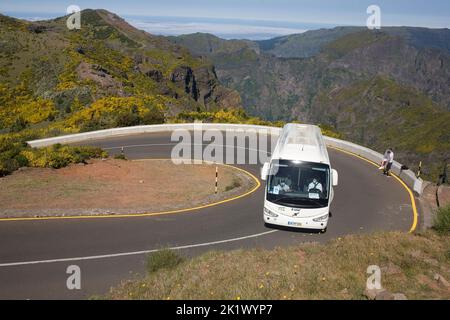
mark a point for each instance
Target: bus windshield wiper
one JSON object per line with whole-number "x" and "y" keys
{"x": 314, "y": 201}
{"x": 311, "y": 201}
{"x": 281, "y": 199}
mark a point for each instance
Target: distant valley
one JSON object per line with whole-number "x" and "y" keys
{"x": 378, "y": 88}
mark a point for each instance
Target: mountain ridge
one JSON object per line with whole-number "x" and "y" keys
{"x": 402, "y": 66}
{"x": 108, "y": 48}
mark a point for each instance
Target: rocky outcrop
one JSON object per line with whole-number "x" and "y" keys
{"x": 155, "y": 75}
{"x": 203, "y": 86}
{"x": 99, "y": 75}
{"x": 184, "y": 78}
{"x": 226, "y": 98}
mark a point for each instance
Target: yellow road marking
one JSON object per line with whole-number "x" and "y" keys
{"x": 152, "y": 214}
{"x": 411, "y": 195}
{"x": 258, "y": 184}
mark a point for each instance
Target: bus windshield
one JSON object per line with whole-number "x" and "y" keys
{"x": 299, "y": 184}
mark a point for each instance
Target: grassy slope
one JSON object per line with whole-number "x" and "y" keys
{"x": 310, "y": 43}
{"x": 207, "y": 44}
{"x": 306, "y": 44}
{"x": 353, "y": 41}
{"x": 380, "y": 113}
{"x": 336, "y": 270}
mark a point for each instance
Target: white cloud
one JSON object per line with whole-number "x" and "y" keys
{"x": 33, "y": 18}
{"x": 219, "y": 29}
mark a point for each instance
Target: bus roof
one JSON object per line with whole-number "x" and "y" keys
{"x": 301, "y": 142}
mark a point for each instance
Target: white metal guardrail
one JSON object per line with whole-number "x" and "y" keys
{"x": 406, "y": 175}
{"x": 416, "y": 184}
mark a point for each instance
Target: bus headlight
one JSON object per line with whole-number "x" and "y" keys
{"x": 270, "y": 213}
{"x": 321, "y": 219}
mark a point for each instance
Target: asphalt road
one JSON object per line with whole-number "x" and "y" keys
{"x": 107, "y": 250}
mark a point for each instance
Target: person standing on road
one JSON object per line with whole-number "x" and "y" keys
{"x": 389, "y": 156}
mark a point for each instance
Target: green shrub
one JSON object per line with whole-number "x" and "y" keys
{"x": 9, "y": 165}
{"x": 329, "y": 131}
{"x": 442, "y": 220}
{"x": 59, "y": 156}
{"x": 19, "y": 124}
{"x": 153, "y": 117}
{"x": 164, "y": 259}
{"x": 16, "y": 153}
{"x": 21, "y": 160}
{"x": 127, "y": 118}
{"x": 92, "y": 125}
{"x": 122, "y": 118}
{"x": 11, "y": 158}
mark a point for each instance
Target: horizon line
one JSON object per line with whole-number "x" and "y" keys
{"x": 325, "y": 25}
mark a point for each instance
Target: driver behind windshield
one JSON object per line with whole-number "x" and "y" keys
{"x": 315, "y": 186}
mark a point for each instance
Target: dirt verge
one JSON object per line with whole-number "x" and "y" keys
{"x": 117, "y": 187}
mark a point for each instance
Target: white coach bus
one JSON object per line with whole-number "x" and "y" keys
{"x": 300, "y": 181}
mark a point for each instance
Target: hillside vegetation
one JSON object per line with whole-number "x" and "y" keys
{"x": 56, "y": 81}
{"x": 49, "y": 72}
{"x": 414, "y": 265}
{"x": 387, "y": 88}
{"x": 417, "y": 128}
{"x": 108, "y": 74}
{"x": 381, "y": 89}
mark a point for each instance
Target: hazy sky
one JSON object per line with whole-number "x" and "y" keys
{"x": 244, "y": 19}
{"x": 431, "y": 13}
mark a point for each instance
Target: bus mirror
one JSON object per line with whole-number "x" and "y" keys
{"x": 265, "y": 171}
{"x": 334, "y": 174}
